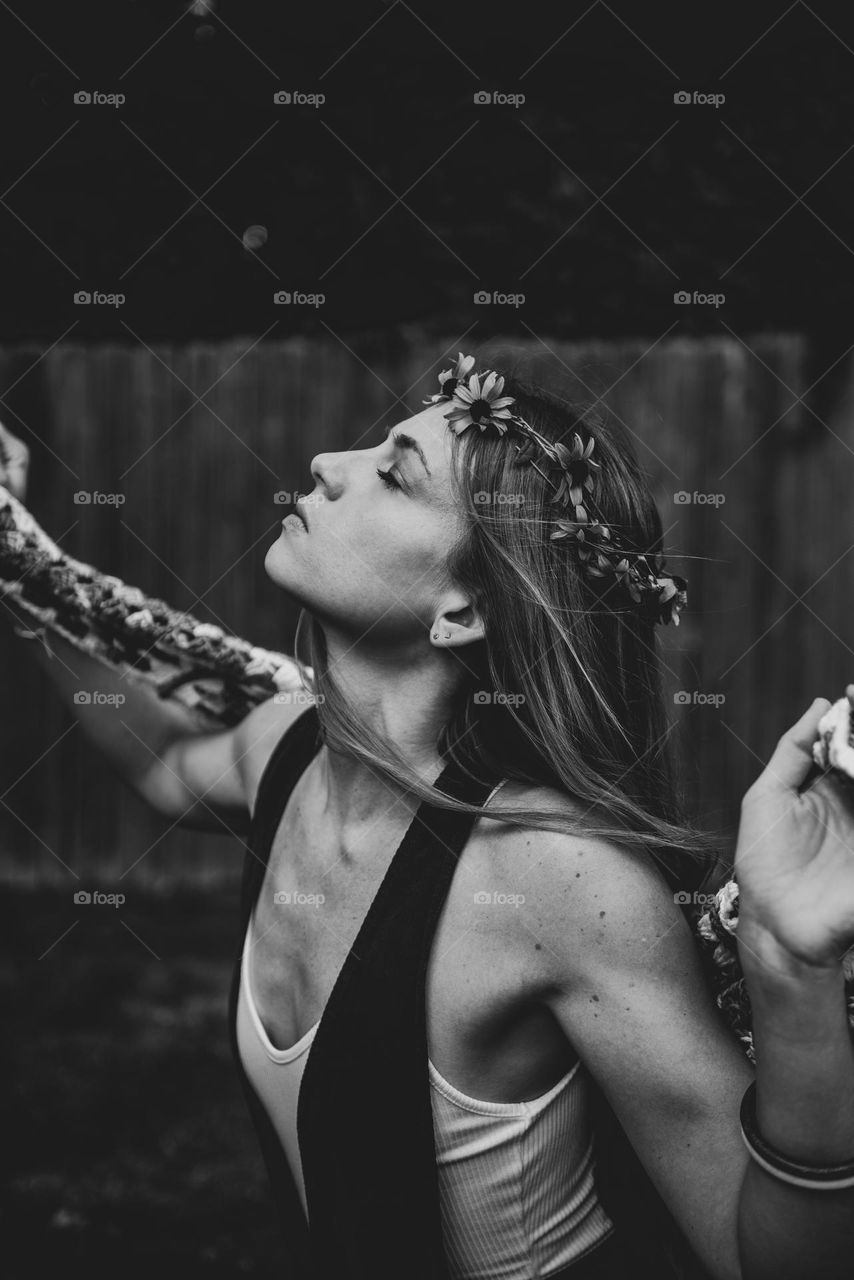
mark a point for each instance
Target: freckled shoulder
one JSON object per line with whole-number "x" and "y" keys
{"x": 575, "y": 886}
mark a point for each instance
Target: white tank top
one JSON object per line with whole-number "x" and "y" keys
{"x": 515, "y": 1178}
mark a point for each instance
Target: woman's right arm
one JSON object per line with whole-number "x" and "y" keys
{"x": 200, "y": 779}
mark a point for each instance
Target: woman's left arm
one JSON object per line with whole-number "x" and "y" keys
{"x": 622, "y": 977}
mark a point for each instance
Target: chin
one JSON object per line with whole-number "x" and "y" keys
{"x": 279, "y": 564}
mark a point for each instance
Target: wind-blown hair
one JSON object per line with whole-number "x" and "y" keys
{"x": 566, "y": 689}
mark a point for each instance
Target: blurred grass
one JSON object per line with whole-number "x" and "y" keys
{"x": 128, "y": 1148}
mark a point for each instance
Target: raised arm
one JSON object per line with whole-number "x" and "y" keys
{"x": 626, "y": 987}
{"x": 181, "y": 711}
{"x": 210, "y": 781}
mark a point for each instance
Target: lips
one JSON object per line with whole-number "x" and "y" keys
{"x": 299, "y": 512}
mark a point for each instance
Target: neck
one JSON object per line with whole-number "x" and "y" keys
{"x": 406, "y": 698}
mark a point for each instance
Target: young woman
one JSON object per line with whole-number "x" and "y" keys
{"x": 467, "y": 1011}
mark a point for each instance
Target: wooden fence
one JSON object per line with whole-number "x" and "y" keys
{"x": 199, "y": 438}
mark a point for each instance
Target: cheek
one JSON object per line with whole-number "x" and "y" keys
{"x": 392, "y": 565}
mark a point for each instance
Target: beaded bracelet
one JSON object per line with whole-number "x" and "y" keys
{"x": 830, "y": 1177}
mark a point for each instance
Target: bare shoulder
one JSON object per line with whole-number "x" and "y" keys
{"x": 258, "y": 733}
{"x": 591, "y": 893}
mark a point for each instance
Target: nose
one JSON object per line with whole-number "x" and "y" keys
{"x": 323, "y": 470}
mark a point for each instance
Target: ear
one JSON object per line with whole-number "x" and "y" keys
{"x": 453, "y": 627}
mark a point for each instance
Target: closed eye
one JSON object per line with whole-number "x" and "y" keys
{"x": 388, "y": 480}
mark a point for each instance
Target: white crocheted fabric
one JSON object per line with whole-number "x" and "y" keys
{"x": 215, "y": 676}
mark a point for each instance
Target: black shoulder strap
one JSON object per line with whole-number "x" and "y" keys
{"x": 288, "y": 760}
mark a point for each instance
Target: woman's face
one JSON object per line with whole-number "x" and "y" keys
{"x": 372, "y": 562}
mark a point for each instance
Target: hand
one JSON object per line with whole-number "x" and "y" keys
{"x": 794, "y": 858}
{"x": 14, "y": 464}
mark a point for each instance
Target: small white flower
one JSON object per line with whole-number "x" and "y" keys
{"x": 261, "y": 666}
{"x": 704, "y": 928}
{"x": 131, "y": 595}
{"x": 833, "y": 748}
{"x": 142, "y": 618}
{"x": 727, "y": 904}
{"x": 208, "y": 631}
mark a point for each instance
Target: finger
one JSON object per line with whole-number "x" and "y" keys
{"x": 792, "y": 759}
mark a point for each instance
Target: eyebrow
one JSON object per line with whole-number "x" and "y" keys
{"x": 403, "y": 441}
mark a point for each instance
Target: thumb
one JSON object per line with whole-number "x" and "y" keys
{"x": 792, "y": 758}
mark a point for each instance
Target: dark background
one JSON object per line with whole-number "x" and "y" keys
{"x": 692, "y": 197}
{"x": 128, "y": 1148}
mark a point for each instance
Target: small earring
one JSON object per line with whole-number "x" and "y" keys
{"x": 435, "y": 635}
{"x": 447, "y": 635}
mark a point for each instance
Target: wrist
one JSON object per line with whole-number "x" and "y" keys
{"x": 795, "y": 1004}
{"x": 764, "y": 959}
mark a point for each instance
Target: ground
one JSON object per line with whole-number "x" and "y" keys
{"x": 128, "y": 1146}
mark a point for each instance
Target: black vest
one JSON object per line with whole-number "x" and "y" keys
{"x": 370, "y": 1173}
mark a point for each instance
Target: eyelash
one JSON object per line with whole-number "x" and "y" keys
{"x": 386, "y": 476}
{"x": 388, "y": 480}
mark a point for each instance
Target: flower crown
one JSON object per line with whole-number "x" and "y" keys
{"x": 476, "y": 400}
